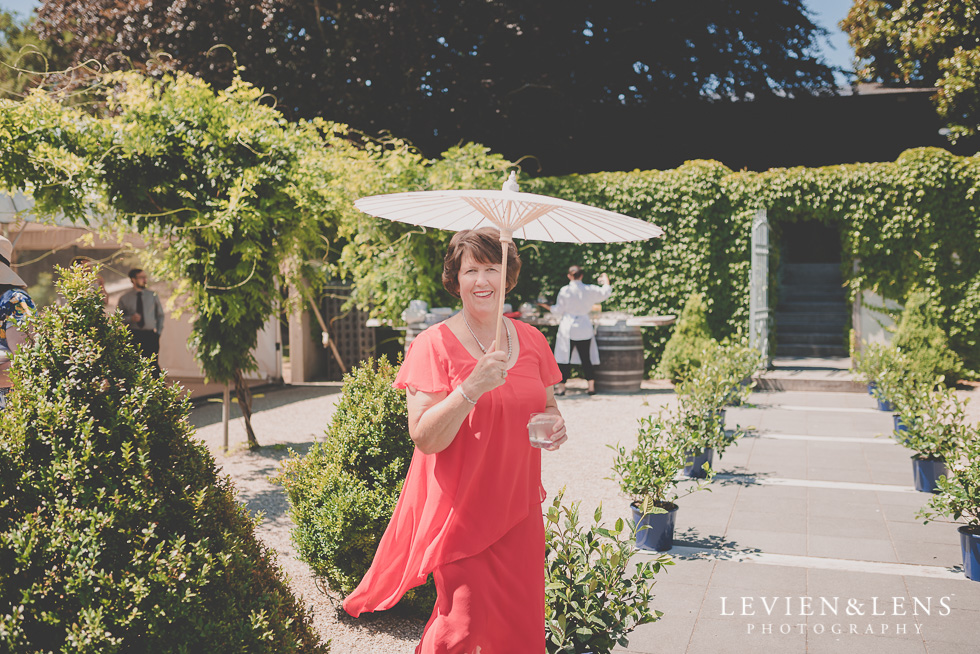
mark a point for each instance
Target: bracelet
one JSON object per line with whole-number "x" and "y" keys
{"x": 465, "y": 396}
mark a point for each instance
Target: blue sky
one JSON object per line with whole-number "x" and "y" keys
{"x": 22, "y": 7}
{"x": 827, "y": 13}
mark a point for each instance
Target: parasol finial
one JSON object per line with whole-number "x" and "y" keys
{"x": 511, "y": 183}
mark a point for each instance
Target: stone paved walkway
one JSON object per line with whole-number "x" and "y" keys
{"x": 809, "y": 542}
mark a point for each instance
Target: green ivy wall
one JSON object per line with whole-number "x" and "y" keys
{"x": 911, "y": 223}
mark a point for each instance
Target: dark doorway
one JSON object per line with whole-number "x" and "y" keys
{"x": 812, "y": 316}
{"x": 811, "y": 241}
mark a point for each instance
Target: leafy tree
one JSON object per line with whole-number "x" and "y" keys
{"x": 235, "y": 197}
{"x": 25, "y": 59}
{"x": 237, "y": 200}
{"x": 438, "y": 73}
{"x": 392, "y": 263}
{"x": 923, "y": 43}
{"x": 116, "y": 532}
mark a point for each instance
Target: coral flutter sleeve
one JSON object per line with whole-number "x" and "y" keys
{"x": 426, "y": 367}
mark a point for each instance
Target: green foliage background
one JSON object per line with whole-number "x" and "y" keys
{"x": 912, "y": 223}
{"x": 240, "y": 200}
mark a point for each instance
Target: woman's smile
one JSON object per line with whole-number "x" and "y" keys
{"x": 478, "y": 280}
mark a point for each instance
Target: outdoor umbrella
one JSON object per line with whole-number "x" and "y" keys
{"x": 515, "y": 214}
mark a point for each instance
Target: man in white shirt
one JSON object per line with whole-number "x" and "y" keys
{"x": 143, "y": 314}
{"x": 575, "y": 343}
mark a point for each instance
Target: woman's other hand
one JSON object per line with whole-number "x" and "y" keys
{"x": 558, "y": 434}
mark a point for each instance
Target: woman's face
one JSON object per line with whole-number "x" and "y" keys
{"x": 478, "y": 283}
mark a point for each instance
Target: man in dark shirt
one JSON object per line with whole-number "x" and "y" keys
{"x": 143, "y": 314}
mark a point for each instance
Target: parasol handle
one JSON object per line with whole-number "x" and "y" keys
{"x": 506, "y": 238}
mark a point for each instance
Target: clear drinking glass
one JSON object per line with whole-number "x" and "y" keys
{"x": 540, "y": 428}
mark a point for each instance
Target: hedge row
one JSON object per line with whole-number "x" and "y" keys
{"x": 912, "y": 223}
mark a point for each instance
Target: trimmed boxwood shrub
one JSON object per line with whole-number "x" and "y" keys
{"x": 689, "y": 342}
{"x": 343, "y": 492}
{"x": 116, "y": 532}
{"x": 923, "y": 342}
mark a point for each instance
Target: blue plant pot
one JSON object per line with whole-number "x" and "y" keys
{"x": 871, "y": 388}
{"x": 885, "y": 405}
{"x": 901, "y": 430}
{"x": 696, "y": 460}
{"x": 970, "y": 544}
{"x": 655, "y": 531}
{"x": 926, "y": 472}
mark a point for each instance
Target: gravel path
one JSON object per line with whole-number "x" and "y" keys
{"x": 293, "y": 418}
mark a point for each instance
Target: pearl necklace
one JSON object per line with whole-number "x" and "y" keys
{"x": 479, "y": 344}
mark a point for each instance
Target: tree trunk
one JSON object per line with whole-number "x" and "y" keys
{"x": 244, "y": 396}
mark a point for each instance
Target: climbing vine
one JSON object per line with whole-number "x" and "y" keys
{"x": 911, "y": 224}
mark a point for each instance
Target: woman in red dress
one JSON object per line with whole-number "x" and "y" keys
{"x": 470, "y": 509}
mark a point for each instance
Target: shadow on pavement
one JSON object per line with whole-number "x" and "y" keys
{"x": 209, "y": 413}
{"x": 691, "y": 537}
{"x": 270, "y": 501}
{"x": 739, "y": 479}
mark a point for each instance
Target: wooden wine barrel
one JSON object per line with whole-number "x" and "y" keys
{"x": 621, "y": 358}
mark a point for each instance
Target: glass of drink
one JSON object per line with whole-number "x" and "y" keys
{"x": 540, "y": 428}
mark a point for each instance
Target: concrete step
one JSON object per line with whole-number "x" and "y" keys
{"x": 810, "y": 350}
{"x": 810, "y": 374}
{"x": 809, "y": 273}
{"x": 789, "y": 327}
{"x": 810, "y": 338}
{"x": 806, "y": 317}
{"x": 814, "y": 294}
{"x": 812, "y": 307}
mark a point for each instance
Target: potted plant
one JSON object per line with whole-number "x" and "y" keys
{"x": 889, "y": 384}
{"x": 702, "y": 398}
{"x": 710, "y": 385}
{"x": 870, "y": 361}
{"x": 958, "y": 498}
{"x": 909, "y": 398}
{"x": 647, "y": 474}
{"x": 935, "y": 430}
{"x": 738, "y": 362}
{"x": 703, "y": 435}
{"x": 880, "y": 366}
{"x": 595, "y": 597}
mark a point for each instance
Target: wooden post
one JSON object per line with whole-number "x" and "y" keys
{"x": 225, "y": 412}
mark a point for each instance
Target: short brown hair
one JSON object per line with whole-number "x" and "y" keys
{"x": 484, "y": 246}
{"x": 576, "y": 272}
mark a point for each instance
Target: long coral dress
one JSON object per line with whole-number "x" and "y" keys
{"x": 471, "y": 514}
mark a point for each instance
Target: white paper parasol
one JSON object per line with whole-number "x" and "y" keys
{"x": 515, "y": 214}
